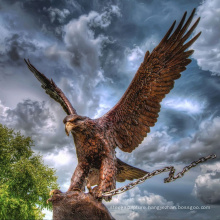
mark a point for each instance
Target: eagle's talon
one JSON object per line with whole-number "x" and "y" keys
{"x": 97, "y": 194}
{"x": 54, "y": 191}
{"x": 88, "y": 185}
{"x": 76, "y": 189}
{"x": 108, "y": 198}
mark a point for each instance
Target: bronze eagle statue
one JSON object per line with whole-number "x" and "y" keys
{"x": 128, "y": 122}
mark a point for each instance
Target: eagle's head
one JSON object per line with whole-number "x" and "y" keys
{"x": 73, "y": 122}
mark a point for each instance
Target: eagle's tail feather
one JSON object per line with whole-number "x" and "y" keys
{"x": 124, "y": 172}
{"x": 128, "y": 172}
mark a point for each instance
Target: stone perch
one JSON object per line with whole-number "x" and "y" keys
{"x": 75, "y": 205}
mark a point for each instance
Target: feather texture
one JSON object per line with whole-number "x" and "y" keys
{"x": 124, "y": 172}
{"x": 52, "y": 90}
{"x": 131, "y": 118}
{"x": 129, "y": 121}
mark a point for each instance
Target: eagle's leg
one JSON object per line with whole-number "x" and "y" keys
{"x": 107, "y": 178}
{"x": 79, "y": 176}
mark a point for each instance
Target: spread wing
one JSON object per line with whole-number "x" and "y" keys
{"x": 130, "y": 119}
{"x": 124, "y": 172}
{"x": 52, "y": 90}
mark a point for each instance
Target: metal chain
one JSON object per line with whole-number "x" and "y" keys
{"x": 156, "y": 172}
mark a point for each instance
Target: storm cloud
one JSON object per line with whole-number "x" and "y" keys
{"x": 92, "y": 50}
{"x": 162, "y": 146}
{"x": 207, "y": 185}
{"x": 207, "y": 48}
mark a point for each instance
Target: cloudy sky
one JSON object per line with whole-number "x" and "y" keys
{"x": 92, "y": 50}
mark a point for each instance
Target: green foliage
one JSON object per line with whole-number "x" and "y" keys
{"x": 25, "y": 182}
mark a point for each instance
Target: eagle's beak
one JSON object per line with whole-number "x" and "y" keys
{"x": 68, "y": 127}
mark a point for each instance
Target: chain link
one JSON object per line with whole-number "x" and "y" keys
{"x": 171, "y": 177}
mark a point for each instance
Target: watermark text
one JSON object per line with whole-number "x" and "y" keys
{"x": 158, "y": 207}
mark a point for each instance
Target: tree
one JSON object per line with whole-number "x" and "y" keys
{"x": 25, "y": 182}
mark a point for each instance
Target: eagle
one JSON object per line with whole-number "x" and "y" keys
{"x": 126, "y": 125}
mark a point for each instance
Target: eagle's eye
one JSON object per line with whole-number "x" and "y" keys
{"x": 69, "y": 118}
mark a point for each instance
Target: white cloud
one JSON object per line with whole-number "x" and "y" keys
{"x": 103, "y": 20}
{"x": 151, "y": 42}
{"x": 48, "y": 214}
{"x": 61, "y": 158}
{"x": 153, "y": 199}
{"x": 3, "y": 112}
{"x": 115, "y": 10}
{"x": 133, "y": 215}
{"x": 83, "y": 47}
{"x": 207, "y": 47}
{"x": 81, "y": 52}
{"x": 187, "y": 105}
{"x": 162, "y": 147}
{"x": 207, "y": 185}
{"x": 57, "y": 14}
{"x": 39, "y": 120}
{"x": 205, "y": 168}
{"x": 154, "y": 148}
{"x": 135, "y": 54}
{"x": 135, "y": 198}
{"x": 31, "y": 117}
{"x": 134, "y": 58}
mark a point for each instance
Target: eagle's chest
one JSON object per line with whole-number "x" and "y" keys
{"x": 90, "y": 146}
